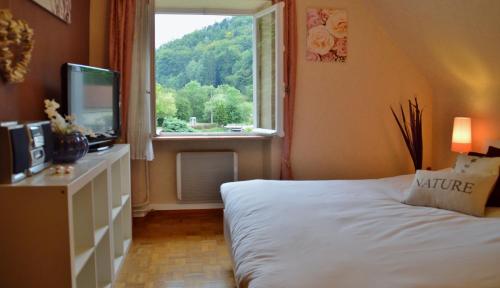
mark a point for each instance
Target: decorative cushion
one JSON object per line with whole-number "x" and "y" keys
{"x": 478, "y": 165}
{"x": 461, "y": 192}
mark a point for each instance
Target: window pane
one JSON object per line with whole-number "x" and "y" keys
{"x": 266, "y": 71}
{"x": 204, "y": 73}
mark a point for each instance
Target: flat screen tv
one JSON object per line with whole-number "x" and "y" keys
{"x": 93, "y": 95}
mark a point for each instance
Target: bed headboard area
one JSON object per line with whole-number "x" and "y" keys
{"x": 494, "y": 143}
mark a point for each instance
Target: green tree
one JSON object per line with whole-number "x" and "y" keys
{"x": 165, "y": 102}
{"x": 197, "y": 95}
{"x": 184, "y": 110}
{"x": 176, "y": 125}
{"x": 241, "y": 76}
{"x": 218, "y": 54}
{"x": 194, "y": 70}
{"x": 216, "y": 109}
{"x": 228, "y": 106}
{"x": 188, "y": 70}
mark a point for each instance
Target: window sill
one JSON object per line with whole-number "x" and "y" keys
{"x": 210, "y": 137}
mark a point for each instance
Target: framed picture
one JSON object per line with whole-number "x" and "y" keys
{"x": 326, "y": 35}
{"x": 60, "y": 8}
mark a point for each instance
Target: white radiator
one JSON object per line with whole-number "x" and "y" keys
{"x": 200, "y": 174}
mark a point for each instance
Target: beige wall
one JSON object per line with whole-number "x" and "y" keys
{"x": 254, "y": 156}
{"x": 344, "y": 128}
{"x": 456, "y": 44}
{"x": 343, "y": 125}
{"x": 257, "y": 158}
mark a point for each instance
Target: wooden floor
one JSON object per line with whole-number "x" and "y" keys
{"x": 177, "y": 249}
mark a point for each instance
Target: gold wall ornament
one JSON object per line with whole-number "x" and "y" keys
{"x": 16, "y": 46}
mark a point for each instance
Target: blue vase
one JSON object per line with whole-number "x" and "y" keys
{"x": 69, "y": 148}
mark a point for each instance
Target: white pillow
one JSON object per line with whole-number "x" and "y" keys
{"x": 478, "y": 165}
{"x": 460, "y": 192}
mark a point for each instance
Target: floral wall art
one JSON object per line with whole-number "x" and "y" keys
{"x": 326, "y": 35}
{"x": 60, "y": 8}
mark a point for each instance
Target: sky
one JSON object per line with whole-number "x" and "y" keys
{"x": 170, "y": 26}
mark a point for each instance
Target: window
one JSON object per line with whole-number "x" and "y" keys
{"x": 219, "y": 74}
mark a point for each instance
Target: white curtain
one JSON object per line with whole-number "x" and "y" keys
{"x": 139, "y": 114}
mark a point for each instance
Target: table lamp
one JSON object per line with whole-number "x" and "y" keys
{"x": 461, "y": 141}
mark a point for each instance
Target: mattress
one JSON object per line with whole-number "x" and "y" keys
{"x": 354, "y": 233}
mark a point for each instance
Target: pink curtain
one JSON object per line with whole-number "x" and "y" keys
{"x": 290, "y": 76}
{"x": 121, "y": 43}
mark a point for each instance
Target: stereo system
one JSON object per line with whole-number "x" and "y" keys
{"x": 25, "y": 149}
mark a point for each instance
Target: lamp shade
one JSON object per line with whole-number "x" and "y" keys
{"x": 462, "y": 139}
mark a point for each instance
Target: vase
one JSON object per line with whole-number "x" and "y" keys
{"x": 69, "y": 148}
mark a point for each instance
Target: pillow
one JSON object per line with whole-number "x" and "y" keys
{"x": 493, "y": 152}
{"x": 461, "y": 192}
{"x": 494, "y": 200}
{"x": 475, "y": 164}
{"x": 477, "y": 154}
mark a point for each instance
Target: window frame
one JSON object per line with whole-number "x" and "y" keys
{"x": 256, "y": 133}
{"x": 279, "y": 64}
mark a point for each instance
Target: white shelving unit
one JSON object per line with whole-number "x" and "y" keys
{"x": 68, "y": 230}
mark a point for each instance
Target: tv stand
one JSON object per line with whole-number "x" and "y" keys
{"x": 101, "y": 147}
{"x": 100, "y": 144}
{"x": 70, "y": 230}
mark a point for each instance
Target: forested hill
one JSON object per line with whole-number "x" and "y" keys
{"x": 218, "y": 54}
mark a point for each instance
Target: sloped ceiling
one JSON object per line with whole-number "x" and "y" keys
{"x": 456, "y": 44}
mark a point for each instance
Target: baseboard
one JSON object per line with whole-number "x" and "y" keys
{"x": 139, "y": 214}
{"x": 177, "y": 206}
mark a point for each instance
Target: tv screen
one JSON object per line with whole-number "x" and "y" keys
{"x": 92, "y": 95}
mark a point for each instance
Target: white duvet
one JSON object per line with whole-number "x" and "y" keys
{"x": 354, "y": 234}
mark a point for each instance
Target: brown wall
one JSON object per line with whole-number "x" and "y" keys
{"x": 99, "y": 33}
{"x": 55, "y": 43}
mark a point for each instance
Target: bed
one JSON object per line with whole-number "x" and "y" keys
{"x": 354, "y": 233}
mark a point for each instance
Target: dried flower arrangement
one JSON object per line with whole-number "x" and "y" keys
{"x": 412, "y": 131}
{"x": 16, "y": 46}
{"x": 66, "y": 125}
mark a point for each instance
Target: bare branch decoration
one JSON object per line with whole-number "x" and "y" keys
{"x": 411, "y": 131}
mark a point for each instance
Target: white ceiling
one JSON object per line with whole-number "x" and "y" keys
{"x": 211, "y": 6}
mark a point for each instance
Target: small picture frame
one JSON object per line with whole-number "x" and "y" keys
{"x": 326, "y": 35}
{"x": 60, "y": 8}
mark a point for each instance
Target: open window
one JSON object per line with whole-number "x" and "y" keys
{"x": 268, "y": 70}
{"x": 222, "y": 78}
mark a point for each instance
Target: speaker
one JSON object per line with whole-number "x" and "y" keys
{"x": 39, "y": 133}
{"x": 14, "y": 152}
{"x": 48, "y": 142}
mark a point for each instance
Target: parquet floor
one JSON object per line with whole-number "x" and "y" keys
{"x": 177, "y": 249}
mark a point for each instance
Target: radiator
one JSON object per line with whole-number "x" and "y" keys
{"x": 200, "y": 174}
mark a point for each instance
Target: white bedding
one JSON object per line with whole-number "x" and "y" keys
{"x": 354, "y": 234}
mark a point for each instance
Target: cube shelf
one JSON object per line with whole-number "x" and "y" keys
{"x": 101, "y": 201}
{"x": 87, "y": 277}
{"x": 83, "y": 227}
{"x": 103, "y": 262}
{"x": 85, "y": 218}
